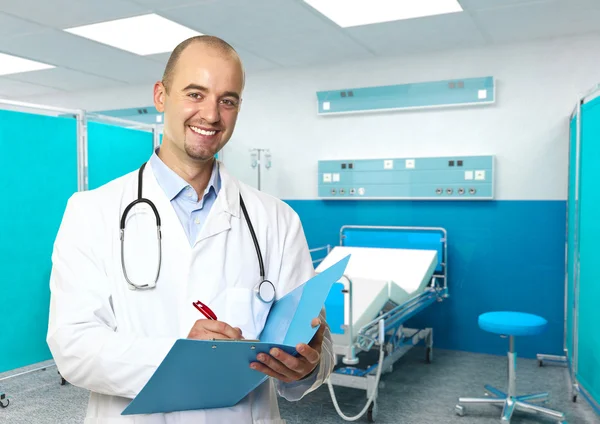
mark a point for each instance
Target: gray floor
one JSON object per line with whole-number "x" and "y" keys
{"x": 415, "y": 393}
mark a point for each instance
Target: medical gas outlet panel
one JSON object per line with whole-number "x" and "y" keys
{"x": 426, "y": 178}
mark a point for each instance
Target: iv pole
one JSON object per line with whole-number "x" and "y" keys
{"x": 256, "y": 160}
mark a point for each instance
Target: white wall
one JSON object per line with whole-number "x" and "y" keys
{"x": 527, "y": 129}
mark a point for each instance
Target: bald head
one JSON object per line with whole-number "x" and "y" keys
{"x": 214, "y": 44}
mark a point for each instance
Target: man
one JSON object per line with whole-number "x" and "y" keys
{"x": 109, "y": 338}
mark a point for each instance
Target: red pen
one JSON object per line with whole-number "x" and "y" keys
{"x": 204, "y": 310}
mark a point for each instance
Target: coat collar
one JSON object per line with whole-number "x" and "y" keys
{"x": 226, "y": 205}
{"x": 229, "y": 195}
{"x": 229, "y": 192}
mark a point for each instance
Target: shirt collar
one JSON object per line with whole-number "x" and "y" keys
{"x": 172, "y": 184}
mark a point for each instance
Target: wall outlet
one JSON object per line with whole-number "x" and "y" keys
{"x": 326, "y": 178}
{"x": 388, "y": 164}
{"x": 336, "y": 178}
{"x": 361, "y": 191}
{"x": 468, "y": 175}
{"x": 482, "y": 94}
{"x": 480, "y": 175}
{"x": 326, "y": 105}
{"x": 410, "y": 164}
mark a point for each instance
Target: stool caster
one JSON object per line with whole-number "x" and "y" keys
{"x": 4, "y": 402}
{"x": 460, "y": 410}
{"x": 372, "y": 412}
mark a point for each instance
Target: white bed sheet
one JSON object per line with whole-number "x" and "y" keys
{"x": 379, "y": 275}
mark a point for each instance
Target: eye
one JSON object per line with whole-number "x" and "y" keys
{"x": 194, "y": 95}
{"x": 230, "y": 103}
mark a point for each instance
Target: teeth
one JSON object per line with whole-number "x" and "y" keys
{"x": 202, "y": 132}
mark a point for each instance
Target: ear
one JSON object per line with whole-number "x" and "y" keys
{"x": 159, "y": 96}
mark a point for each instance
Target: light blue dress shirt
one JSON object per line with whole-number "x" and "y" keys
{"x": 192, "y": 212}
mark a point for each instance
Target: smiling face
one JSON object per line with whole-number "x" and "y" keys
{"x": 201, "y": 101}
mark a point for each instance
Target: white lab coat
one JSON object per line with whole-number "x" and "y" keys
{"x": 109, "y": 339}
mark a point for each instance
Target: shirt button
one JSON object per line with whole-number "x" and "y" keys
{"x": 197, "y": 220}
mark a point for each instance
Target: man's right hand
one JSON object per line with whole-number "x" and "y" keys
{"x": 207, "y": 329}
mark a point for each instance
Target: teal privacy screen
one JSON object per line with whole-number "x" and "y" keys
{"x": 114, "y": 151}
{"x": 571, "y": 208}
{"x": 38, "y": 170}
{"x": 588, "y": 370}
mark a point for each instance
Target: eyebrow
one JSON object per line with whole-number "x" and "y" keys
{"x": 202, "y": 88}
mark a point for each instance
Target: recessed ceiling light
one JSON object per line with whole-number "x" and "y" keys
{"x": 143, "y": 35}
{"x": 16, "y": 65}
{"x": 350, "y": 13}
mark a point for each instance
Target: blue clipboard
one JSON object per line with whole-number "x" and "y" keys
{"x": 179, "y": 383}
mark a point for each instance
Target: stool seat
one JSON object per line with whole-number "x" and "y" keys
{"x": 512, "y": 323}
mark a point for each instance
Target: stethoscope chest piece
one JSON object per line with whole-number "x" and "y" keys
{"x": 265, "y": 291}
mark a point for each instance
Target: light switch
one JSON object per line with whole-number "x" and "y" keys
{"x": 410, "y": 164}
{"x": 388, "y": 164}
{"x": 326, "y": 178}
{"x": 480, "y": 175}
{"x": 336, "y": 178}
{"x": 468, "y": 175}
{"x": 326, "y": 105}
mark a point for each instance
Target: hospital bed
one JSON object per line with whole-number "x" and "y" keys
{"x": 394, "y": 273}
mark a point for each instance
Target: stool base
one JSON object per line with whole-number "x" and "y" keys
{"x": 510, "y": 404}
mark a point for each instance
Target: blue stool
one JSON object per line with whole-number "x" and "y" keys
{"x": 511, "y": 324}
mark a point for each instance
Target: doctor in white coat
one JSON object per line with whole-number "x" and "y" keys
{"x": 109, "y": 338}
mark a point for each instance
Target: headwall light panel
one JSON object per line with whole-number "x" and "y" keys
{"x": 422, "y": 95}
{"x": 429, "y": 178}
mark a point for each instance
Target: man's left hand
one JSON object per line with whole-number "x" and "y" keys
{"x": 288, "y": 368}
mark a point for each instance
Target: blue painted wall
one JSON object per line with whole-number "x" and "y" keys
{"x": 503, "y": 255}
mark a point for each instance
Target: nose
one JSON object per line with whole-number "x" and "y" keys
{"x": 210, "y": 112}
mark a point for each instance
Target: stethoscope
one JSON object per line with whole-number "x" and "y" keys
{"x": 264, "y": 290}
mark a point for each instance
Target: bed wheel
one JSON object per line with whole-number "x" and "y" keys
{"x": 540, "y": 363}
{"x": 428, "y": 355}
{"x": 460, "y": 410}
{"x": 4, "y": 402}
{"x": 62, "y": 379}
{"x": 574, "y": 398}
{"x": 372, "y": 412}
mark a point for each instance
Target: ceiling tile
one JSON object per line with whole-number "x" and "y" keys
{"x": 252, "y": 63}
{"x": 471, "y": 5}
{"x": 165, "y": 5}
{"x": 68, "y": 13}
{"x": 241, "y": 22}
{"x": 65, "y": 79}
{"x": 70, "y": 51}
{"x": 432, "y": 33}
{"x": 539, "y": 20}
{"x": 285, "y": 32}
{"x": 490, "y": 4}
{"x": 11, "y": 88}
{"x": 12, "y": 27}
{"x": 324, "y": 47}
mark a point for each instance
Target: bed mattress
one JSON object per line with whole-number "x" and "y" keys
{"x": 379, "y": 275}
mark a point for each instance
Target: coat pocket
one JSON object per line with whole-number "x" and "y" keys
{"x": 246, "y": 311}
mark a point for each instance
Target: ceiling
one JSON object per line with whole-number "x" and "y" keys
{"x": 268, "y": 34}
